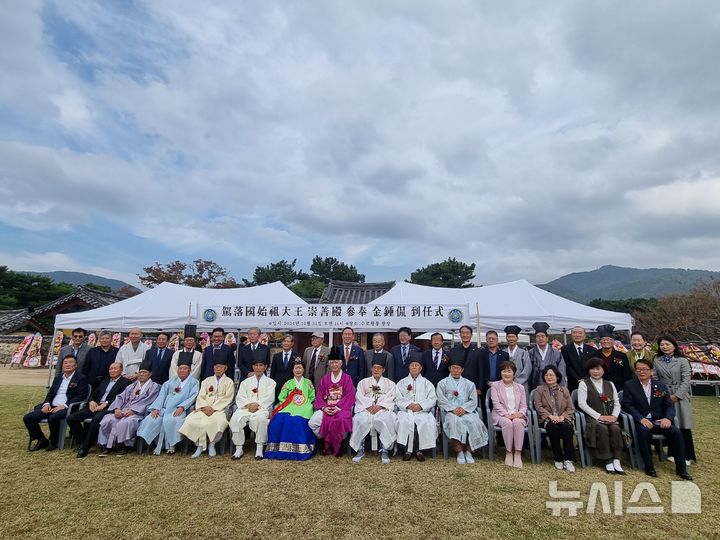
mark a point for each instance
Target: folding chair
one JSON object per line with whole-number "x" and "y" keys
{"x": 578, "y": 430}
{"x": 493, "y": 430}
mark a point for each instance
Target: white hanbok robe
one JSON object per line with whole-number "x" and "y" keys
{"x": 198, "y": 426}
{"x": 194, "y": 368}
{"x": 253, "y": 390}
{"x": 383, "y": 421}
{"x": 131, "y": 359}
{"x": 468, "y": 428}
{"x": 123, "y": 430}
{"x": 422, "y": 392}
{"x": 167, "y": 426}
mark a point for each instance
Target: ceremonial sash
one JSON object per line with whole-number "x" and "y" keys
{"x": 288, "y": 399}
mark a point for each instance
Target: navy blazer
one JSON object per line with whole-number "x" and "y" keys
{"x": 77, "y": 390}
{"x": 97, "y": 363}
{"x": 279, "y": 373}
{"x": 356, "y": 367}
{"x": 429, "y": 372}
{"x": 160, "y": 368}
{"x": 246, "y": 358}
{"x": 116, "y": 390}
{"x": 574, "y": 366}
{"x": 208, "y": 361}
{"x": 636, "y": 404}
{"x": 400, "y": 370}
{"x": 502, "y": 356}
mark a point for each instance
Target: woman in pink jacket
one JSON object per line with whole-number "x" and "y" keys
{"x": 510, "y": 412}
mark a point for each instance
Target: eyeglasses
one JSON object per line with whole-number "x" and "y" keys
{"x": 642, "y": 369}
{"x": 80, "y": 336}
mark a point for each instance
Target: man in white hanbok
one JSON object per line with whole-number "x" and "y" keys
{"x": 374, "y": 410}
{"x": 254, "y": 401}
{"x": 188, "y": 351}
{"x": 415, "y": 399}
{"x": 132, "y": 354}
{"x": 457, "y": 399}
{"x": 168, "y": 411}
{"x": 209, "y": 420}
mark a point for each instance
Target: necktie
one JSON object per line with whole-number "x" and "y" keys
{"x": 311, "y": 371}
{"x": 254, "y": 347}
{"x": 347, "y": 354}
{"x": 404, "y": 354}
{"x": 580, "y": 352}
{"x": 285, "y": 361}
{"x": 437, "y": 359}
{"x": 160, "y": 353}
{"x": 75, "y": 351}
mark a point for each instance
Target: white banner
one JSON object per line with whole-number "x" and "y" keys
{"x": 325, "y": 316}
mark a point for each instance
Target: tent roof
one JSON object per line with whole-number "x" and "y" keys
{"x": 516, "y": 302}
{"x": 168, "y": 306}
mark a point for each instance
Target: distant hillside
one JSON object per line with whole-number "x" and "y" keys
{"x": 616, "y": 282}
{"x": 80, "y": 278}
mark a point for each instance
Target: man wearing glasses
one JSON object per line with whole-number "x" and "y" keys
{"x": 77, "y": 348}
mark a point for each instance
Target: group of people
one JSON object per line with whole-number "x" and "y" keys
{"x": 342, "y": 396}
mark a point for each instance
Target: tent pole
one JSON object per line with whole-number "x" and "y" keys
{"x": 477, "y": 310}
{"x": 52, "y": 356}
{"x": 565, "y": 336}
{"x": 330, "y": 339}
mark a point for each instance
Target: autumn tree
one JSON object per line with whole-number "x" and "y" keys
{"x": 199, "y": 273}
{"x": 694, "y": 316}
{"x": 450, "y": 273}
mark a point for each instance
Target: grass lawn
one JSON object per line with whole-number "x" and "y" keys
{"x": 135, "y": 497}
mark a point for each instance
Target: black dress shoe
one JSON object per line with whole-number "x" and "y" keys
{"x": 81, "y": 453}
{"x": 651, "y": 472}
{"x": 51, "y": 447}
{"x": 407, "y": 456}
{"x": 420, "y": 456}
{"x": 39, "y": 445}
{"x": 685, "y": 476}
{"x": 105, "y": 453}
{"x": 122, "y": 452}
{"x": 610, "y": 472}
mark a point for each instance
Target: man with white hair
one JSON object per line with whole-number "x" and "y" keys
{"x": 132, "y": 354}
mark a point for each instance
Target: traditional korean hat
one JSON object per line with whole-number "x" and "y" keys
{"x": 605, "y": 330}
{"x": 414, "y": 356}
{"x": 185, "y": 359}
{"x": 378, "y": 361}
{"x": 333, "y": 355}
{"x": 221, "y": 359}
{"x": 145, "y": 365}
{"x": 224, "y": 355}
{"x": 513, "y": 329}
{"x": 190, "y": 330}
{"x": 456, "y": 360}
{"x": 541, "y": 328}
{"x": 259, "y": 357}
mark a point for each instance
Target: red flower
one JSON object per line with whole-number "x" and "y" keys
{"x": 455, "y": 393}
{"x": 254, "y": 390}
{"x": 658, "y": 393}
{"x": 72, "y": 385}
{"x": 409, "y": 387}
{"x": 604, "y": 398}
{"x": 335, "y": 387}
{"x": 137, "y": 393}
{"x": 177, "y": 389}
{"x": 211, "y": 389}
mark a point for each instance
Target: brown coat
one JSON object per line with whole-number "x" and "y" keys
{"x": 543, "y": 403}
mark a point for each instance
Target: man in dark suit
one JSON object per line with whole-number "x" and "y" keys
{"x": 219, "y": 350}
{"x": 77, "y": 347}
{"x": 648, "y": 401}
{"x": 401, "y": 353}
{"x": 70, "y": 386}
{"x": 160, "y": 356}
{"x": 378, "y": 351}
{"x": 250, "y": 351}
{"x": 468, "y": 354}
{"x": 352, "y": 355}
{"x": 435, "y": 360}
{"x": 281, "y": 370}
{"x": 491, "y": 356}
{"x": 98, "y": 360}
{"x": 102, "y": 396}
{"x": 576, "y": 355}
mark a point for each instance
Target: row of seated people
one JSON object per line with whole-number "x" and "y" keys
{"x": 402, "y": 413}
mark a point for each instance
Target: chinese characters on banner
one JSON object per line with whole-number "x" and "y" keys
{"x": 319, "y": 316}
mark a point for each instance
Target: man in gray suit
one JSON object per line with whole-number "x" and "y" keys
{"x": 315, "y": 358}
{"x": 378, "y": 350}
{"x": 77, "y": 347}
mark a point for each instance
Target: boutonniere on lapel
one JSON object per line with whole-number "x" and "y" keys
{"x": 254, "y": 390}
{"x": 137, "y": 392}
{"x": 659, "y": 393}
{"x": 321, "y": 357}
{"x": 375, "y": 391}
{"x": 618, "y": 361}
{"x": 353, "y": 357}
{"x": 455, "y": 393}
{"x": 72, "y": 385}
{"x": 177, "y": 389}
{"x": 445, "y": 358}
{"x": 409, "y": 387}
{"x": 211, "y": 389}
{"x": 606, "y": 401}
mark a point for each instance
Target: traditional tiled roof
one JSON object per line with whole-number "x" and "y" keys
{"x": 90, "y": 298}
{"x": 12, "y": 319}
{"x": 347, "y": 292}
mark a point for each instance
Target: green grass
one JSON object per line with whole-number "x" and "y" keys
{"x": 136, "y": 497}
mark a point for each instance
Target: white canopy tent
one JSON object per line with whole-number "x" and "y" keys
{"x": 169, "y": 307}
{"x": 516, "y": 302}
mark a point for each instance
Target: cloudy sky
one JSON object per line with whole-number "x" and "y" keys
{"x": 532, "y": 138}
